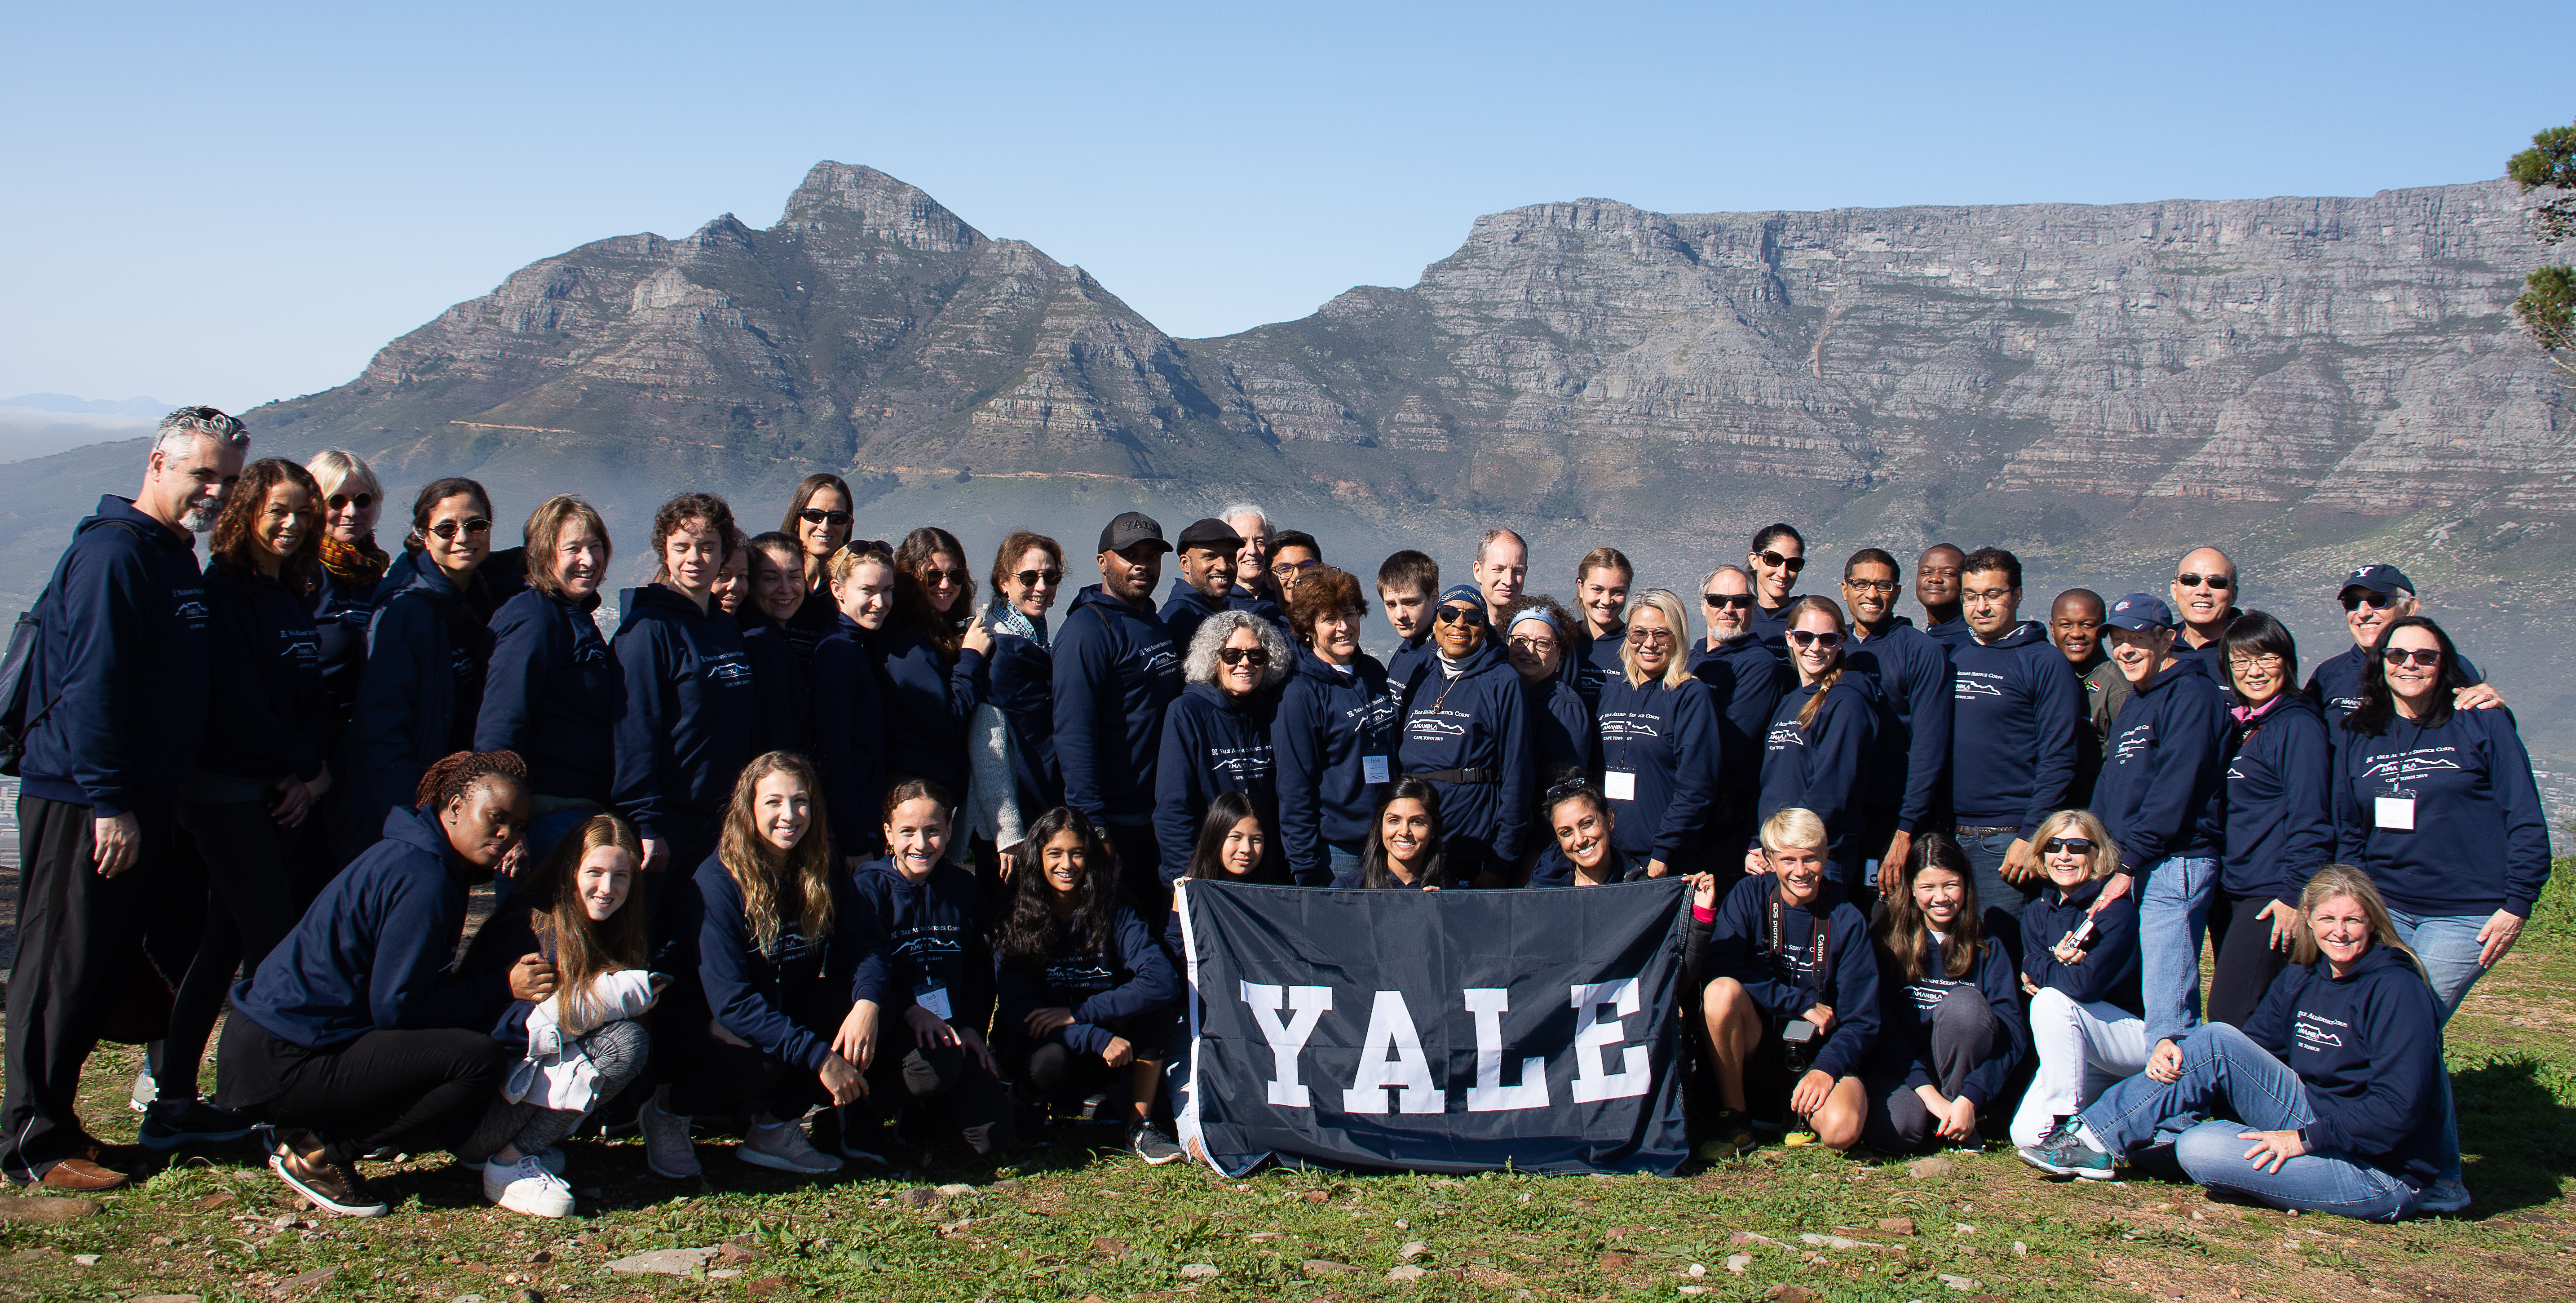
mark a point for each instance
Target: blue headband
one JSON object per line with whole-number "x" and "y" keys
{"x": 1538, "y": 613}
{"x": 1468, "y": 593}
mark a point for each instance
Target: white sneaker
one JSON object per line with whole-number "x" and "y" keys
{"x": 526, "y": 1187}
{"x": 785, "y": 1147}
{"x": 552, "y": 1156}
{"x": 667, "y": 1151}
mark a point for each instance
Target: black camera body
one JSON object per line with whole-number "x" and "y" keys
{"x": 1798, "y": 1039}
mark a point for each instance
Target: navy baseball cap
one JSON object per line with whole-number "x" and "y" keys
{"x": 2140, "y": 613}
{"x": 1130, "y": 529}
{"x": 2379, "y": 579}
{"x": 1468, "y": 593}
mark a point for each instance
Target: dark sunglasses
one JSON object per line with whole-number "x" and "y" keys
{"x": 818, "y": 516}
{"x": 362, "y": 501}
{"x": 876, "y": 545}
{"x": 2066, "y": 845}
{"x": 2215, "y": 583}
{"x": 1809, "y": 638}
{"x": 1253, "y": 656}
{"x": 1468, "y": 615}
{"x": 2375, "y": 601}
{"x": 1032, "y": 578}
{"x": 449, "y": 529}
{"x": 1728, "y": 601}
{"x": 2427, "y": 657}
{"x": 1775, "y": 561}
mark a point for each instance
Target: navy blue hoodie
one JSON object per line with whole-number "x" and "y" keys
{"x": 1819, "y": 768}
{"x": 2481, "y": 840}
{"x": 552, "y": 695}
{"x": 1407, "y": 661}
{"x": 2158, "y": 794}
{"x": 1553, "y": 869}
{"x": 1745, "y": 682}
{"x": 815, "y": 619}
{"x": 1475, "y": 720}
{"x": 1907, "y": 1009}
{"x": 1771, "y": 627}
{"x": 928, "y": 705}
{"x": 1327, "y": 724}
{"x": 849, "y": 740}
{"x": 1561, "y": 728}
{"x": 2016, "y": 713}
{"x": 782, "y": 691}
{"x": 1212, "y": 743}
{"x": 1128, "y": 978}
{"x": 427, "y": 654}
{"x": 1951, "y": 632}
{"x": 1116, "y": 669}
{"x": 1597, "y": 659}
{"x": 1188, "y": 608}
{"x": 271, "y": 717}
{"x": 1021, "y": 671}
{"x": 1668, "y": 739}
{"x": 120, "y": 673}
{"x": 1782, "y": 980}
{"x": 2335, "y": 685}
{"x": 710, "y": 948}
{"x": 342, "y": 609}
{"x": 2109, "y": 972}
{"x": 932, "y": 939}
{"x": 1913, "y": 673}
{"x": 2368, "y": 1048}
{"x": 690, "y": 709}
{"x": 372, "y": 954}
{"x": 2279, "y": 805}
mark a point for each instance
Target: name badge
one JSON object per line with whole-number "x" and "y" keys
{"x": 2397, "y": 813}
{"x": 1619, "y": 785}
{"x": 1374, "y": 769}
{"x": 935, "y": 999}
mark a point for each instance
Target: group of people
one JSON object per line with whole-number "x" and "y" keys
{"x": 1944, "y": 877}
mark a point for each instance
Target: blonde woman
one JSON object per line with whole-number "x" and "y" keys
{"x": 2079, "y": 966}
{"x": 1656, "y": 734}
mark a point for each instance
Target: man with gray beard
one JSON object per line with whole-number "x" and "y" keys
{"x": 1747, "y": 682}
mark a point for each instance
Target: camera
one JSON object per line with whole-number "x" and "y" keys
{"x": 2083, "y": 937}
{"x": 1798, "y": 1040}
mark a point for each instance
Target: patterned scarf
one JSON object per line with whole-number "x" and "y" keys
{"x": 361, "y": 564}
{"x": 1011, "y": 619}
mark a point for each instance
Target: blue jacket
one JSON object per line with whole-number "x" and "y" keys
{"x": 1554, "y": 870}
{"x": 815, "y": 620}
{"x": 1906, "y": 1011}
{"x": 1950, "y": 633}
{"x": 687, "y": 729}
{"x": 1476, "y": 720}
{"x": 2335, "y": 685}
{"x": 1771, "y": 627}
{"x": 427, "y": 654}
{"x": 341, "y": 612}
{"x": 1668, "y": 739}
{"x": 1745, "y": 683}
{"x": 270, "y": 717}
{"x": 372, "y": 953}
{"x": 1913, "y": 673}
{"x": 1782, "y": 978}
{"x": 2017, "y": 710}
{"x": 2279, "y": 805}
{"x": 1116, "y": 669}
{"x": 782, "y": 694}
{"x": 2109, "y": 971}
{"x": 1561, "y": 727}
{"x": 1187, "y": 608}
{"x": 931, "y": 938}
{"x": 849, "y": 740}
{"x": 553, "y": 694}
{"x": 120, "y": 674}
{"x": 1125, "y": 979}
{"x": 1022, "y": 675}
{"x": 1327, "y": 724}
{"x": 1212, "y": 743}
{"x": 928, "y": 705}
{"x": 1596, "y": 660}
{"x": 2368, "y": 1048}
{"x": 2481, "y": 840}
{"x": 1406, "y": 662}
{"x": 2158, "y": 794}
{"x": 1819, "y": 768}
{"x": 708, "y": 945}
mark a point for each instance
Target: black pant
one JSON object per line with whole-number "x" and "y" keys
{"x": 249, "y": 906}
{"x": 713, "y": 1077}
{"x": 79, "y": 937}
{"x": 2246, "y": 962}
{"x": 1965, "y": 1033}
{"x": 406, "y": 1089}
{"x": 946, "y": 1081}
{"x": 1050, "y": 1069}
{"x": 1140, "y": 874}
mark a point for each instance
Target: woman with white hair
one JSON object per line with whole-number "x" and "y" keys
{"x": 353, "y": 570}
{"x": 1216, "y": 737}
{"x": 1658, "y": 740}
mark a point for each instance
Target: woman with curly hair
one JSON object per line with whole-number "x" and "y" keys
{"x": 928, "y": 660}
{"x": 1216, "y": 738}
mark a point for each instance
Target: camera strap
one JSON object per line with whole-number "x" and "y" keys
{"x": 1822, "y": 953}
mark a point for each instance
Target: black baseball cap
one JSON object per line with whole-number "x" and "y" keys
{"x": 2379, "y": 579}
{"x": 1129, "y": 529}
{"x": 1212, "y": 534}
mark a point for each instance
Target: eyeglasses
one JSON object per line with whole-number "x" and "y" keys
{"x": 1728, "y": 601}
{"x": 361, "y": 501}
{"x": 1871, "y": 585}
{"x": 2214, "y": 583}
{"x": 449, "y": 529}
{"x": 1534, "y": 646}
{"x": 1467, "y": 615}
{"x": 1810, "y": 638}
{"x": 1032, "y": 578}
{"x": 1252, "y": 656}
{"x": 818, "y": 516}
{"x": 2265, "y": 661}
{"x": 2066, "y": 845}
{"x": 1987, "y": 594}
{"x": 2375, "y": 601}
{"x": 1294, "y": 565}
{"x": 1650, "y": 637}
{"x": 2425, "y": 657}
{"x": 935, "y": 576}
{"x": 1775, "y": 561}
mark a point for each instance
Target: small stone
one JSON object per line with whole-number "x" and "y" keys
{"x": 1403, "y": 1225}
{"x": 1930, "y": 1169}
{"x": 469, "y": 1298}
{"x": 1737, "y": 1262}
{"x": 663, "y": 1262}
{"x": 1749, "y": 1237}
{"x": 527, "y": 1296}
{"x": 730, "y": 1252}
{"x": 167, "y": 1298}
{"x": 1962, "y": 1228}
{"x": 41, "y": 1210}
{"x": 1694, "y": 1289}
{"x": 307, "y": 1280}
{"x": 1957, "y": 1282}
{"x": 1318, "y": 1196}
{"x": 1198, "y": 1271}
{"x": 919, "y": 1196}
{"x": 955, "y": 1191}
{"x": 1696, "y": 1269}
{"x": 1324, "y": 1267}
{"x": 1614, "y": 1262}
{"x": 1406, "y": 1273}
{"x": 86, "y": 1259}
{"x": 1896, "y": 1225}
{"x": 1791, "y": 1294}
{"x": 1829, "y": 1242}
{"x": 2199, "y": 1216}
{"x": 1005, "y": 1185}
{"x": 724, "y": 1273}
{"x": 216, "y": 1200}
{"x": 1107, "y": 1247}
{"x": 2020, "y": 1250}
{"x": 1264, "y": 1237}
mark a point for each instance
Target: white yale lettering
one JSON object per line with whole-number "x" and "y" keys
{"x": 1392, "y": 1057}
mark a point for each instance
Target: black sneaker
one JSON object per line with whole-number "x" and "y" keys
{"x": 1730, "y": 1134}
{"x": 331, "y": 1186}
{"x": 1152, "y": 1145}
{"x": 878, "y": 1144}
{"x": 1030, "y": 1122}
{"x": 169, "y": 1124}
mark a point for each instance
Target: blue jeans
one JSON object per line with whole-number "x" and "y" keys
{"x": 2448, "y": 946}
{"x": 2173, "y": 919}
{"x": 1999, "y": 903}
{"x": 1341, "y": 858}
{"x": 2224, "y": 1073}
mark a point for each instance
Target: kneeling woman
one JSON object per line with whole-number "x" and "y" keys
{"x": 1086, "y": 993}
{"x": 353, "y": 1035}
{"x": 2349, "y": 1122}
{"x": 767, "y": 943}
{"x": 1405, "y": 847}
{"x": 2079, "y": 966}
{"x": 1953, "y": 1021}
{"x": 1585, "y": 853}
{"x": 583, "y": 1046}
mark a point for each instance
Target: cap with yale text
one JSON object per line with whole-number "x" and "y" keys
{"x": 1130, "y": 529}
{"x": 2380, "y": 579}
{"x": 2140, "y": 613}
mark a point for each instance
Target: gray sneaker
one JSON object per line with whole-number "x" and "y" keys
{"x": 784, "y": 1147}
{"x": 2444, "y": 1196}
{"x": 667, "y": 1151}
{"x": 1152, "y": 1145}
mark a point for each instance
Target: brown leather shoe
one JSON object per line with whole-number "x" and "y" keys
{"x": 81, "y": 1174}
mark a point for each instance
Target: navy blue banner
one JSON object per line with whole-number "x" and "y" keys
{"x": 1447, "y": 1031}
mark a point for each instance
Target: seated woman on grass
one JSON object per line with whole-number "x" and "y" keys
{"x": 1953, "y": 1020}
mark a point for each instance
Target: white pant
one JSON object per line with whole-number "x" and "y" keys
{"x": 2083, "y": 1049}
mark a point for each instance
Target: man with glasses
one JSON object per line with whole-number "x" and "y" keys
{"x": 1292, "y": 554}
{"x": 1116, "y": 671}
{"x": 1745, "y": 681}
{"x": 2204, "y": 601}
{"x": 1778, "y": 553}
{"x": 1936, "y": 586}
{"x": 2017, "y": 712}
{"x": 2075, "y": 625}
{"x": 115, "y": 711}
{"x": 2374, "y": 597}
{"x": 1913, "y": 746}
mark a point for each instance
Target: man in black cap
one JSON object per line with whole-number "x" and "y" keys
{"x": 2374, "y": 597}
{"x": 1206, "y": 586}
{"x": 1116, "y": 668}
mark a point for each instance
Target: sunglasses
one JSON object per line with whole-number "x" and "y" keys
{"x": 1032, "y": 578}
{"x": 449, "y": 529}
{"x": 2375, "y": 601}
{"x": 1728, "y": 601}
{"x": 2214, "y": 583}
{"x": 2426, "y": 657}
{"x": 1252, "y": 656}
{"x": 1775, "y": 561}
{"x": 1809, "y": 638}
{"x": 2066, "y": 845}
{"x": 1467, "y": 615}
{"x": 876, "y": 545}
{"x": 1650, "y": 637}
{"x": 935, "y": 576}
{"x": 362, "y": 501}
{"x": 1870, "y": 585}
{"x": 818, "y": 516}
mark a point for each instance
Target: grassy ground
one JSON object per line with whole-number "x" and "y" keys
{"x": 1069, "y": 1224}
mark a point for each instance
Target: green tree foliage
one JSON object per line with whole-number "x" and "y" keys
{"x": 2548, "y": 303}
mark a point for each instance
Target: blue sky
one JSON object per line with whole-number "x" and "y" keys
{"x": 237, "y": 203}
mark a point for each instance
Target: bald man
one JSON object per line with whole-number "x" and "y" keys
{"x": 1936, "y": 586}
{"x": 2204, "y": 600}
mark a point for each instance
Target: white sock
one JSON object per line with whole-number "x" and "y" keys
{"x": 2084, "y": 1132}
